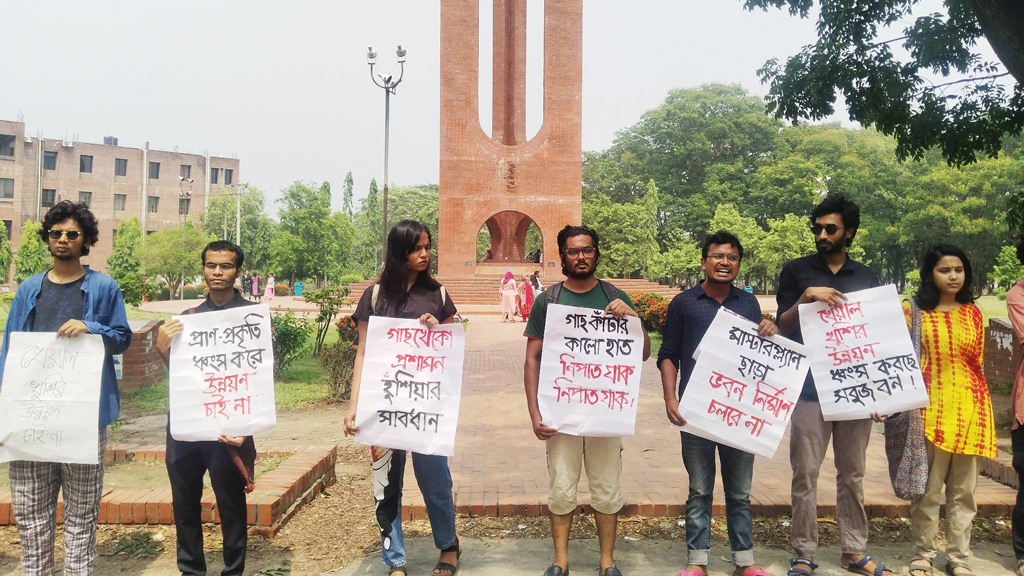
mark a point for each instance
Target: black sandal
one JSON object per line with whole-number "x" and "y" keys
{"x": 793, "y": 571}
{"x": 556, "y": 570}
{"x": 444, "y": 566}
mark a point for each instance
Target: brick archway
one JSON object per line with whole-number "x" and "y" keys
{"x": 483, "y": 176}
{"x": 508, "y": 230}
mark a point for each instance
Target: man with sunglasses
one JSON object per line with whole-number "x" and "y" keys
{"x": 825, "y": 277}
{"x": 230, "y": 460}
{"x": 580, "y": 253}
{"x": 689, "y": 316}
{"x": 71, "y": 300}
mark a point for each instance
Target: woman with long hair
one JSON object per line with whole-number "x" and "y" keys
{"x": 271, "y": 290}
{"x": 257, "y": 292}
{"x": 407, "y": 290}
{"x": 507, "y": 292}
{"x": 958, "y": 423}
{"x": 525, "y": 298}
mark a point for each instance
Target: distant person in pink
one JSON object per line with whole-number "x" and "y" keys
{"x": 508, "y": 292}
{"x": 271, "y": 287}
{"x": 256, "y": 280}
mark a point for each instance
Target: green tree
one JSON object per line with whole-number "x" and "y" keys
{"x": 854, "y": 57}
{"x": 787, "y": 239}
{"x": 1008, "y": 269}
{"x": 218, "y": 220}
{"x": 367, "y": 245}
{"x": 33, "y": 255}
{"x": 5, "y": 253}
{"x": 321, "y": 240}
{"x": 627, "y": 232}
{"x": 680, "y": 263}
{"x": 347, "y": 199}
{"x": 125, "y": 264}
{"x": 174, "y": 255}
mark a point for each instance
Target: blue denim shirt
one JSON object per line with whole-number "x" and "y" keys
{"x": 104, "y": 314}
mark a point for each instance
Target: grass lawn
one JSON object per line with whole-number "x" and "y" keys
{"x": 992, "y": 307}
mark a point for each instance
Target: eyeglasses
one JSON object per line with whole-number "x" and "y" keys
{"x": 719, "y": 256}
{"x": 830, "y": 229}
{"x": 587, "y": 251}
{"x": 226, "y": 267}
{"x": 71, "y": 234}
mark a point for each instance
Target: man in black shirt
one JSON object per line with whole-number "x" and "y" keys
{"x": 187, "y": 462}
{"x": 825, "y": 277}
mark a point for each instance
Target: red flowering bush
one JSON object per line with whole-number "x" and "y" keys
{"x": 651, "y": 308}
{"x": 347, "y": 330}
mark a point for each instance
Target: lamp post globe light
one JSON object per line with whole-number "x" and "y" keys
{"x": 183, "y": 194}
{"x": 388, "y": 83}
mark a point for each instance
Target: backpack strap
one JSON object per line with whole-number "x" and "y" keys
{"x": 373, "y": 298}
{"x": 610, "y": 291}
{"x": 444, "y": 296}
{"x": 551, "y": 295}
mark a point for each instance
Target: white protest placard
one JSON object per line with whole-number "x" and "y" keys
{"x": 411, "y": 386}
{"x": 590, "y": 371}
{"x": 743, "y": 388}
{"x": 50, "y": 398}
{"x": 222, "y": 374}
{"x": 864, "y": 360}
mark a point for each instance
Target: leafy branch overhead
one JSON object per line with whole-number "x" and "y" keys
{"x": 855, "y": 55}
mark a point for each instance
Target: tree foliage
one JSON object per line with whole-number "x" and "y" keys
{"x": 174, "y": 254}
{"x": 854, "y": 56}
{"x": 33, "y": 255}
{"x": 125, "y": 264}
{"x": 6, "y": 256}
{"x": 627, "y": 232}
{"x": 313, "y": 242}
{"x": 218, "y": 220}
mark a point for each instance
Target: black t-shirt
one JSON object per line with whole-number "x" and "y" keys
{"x": 419, "y": 300}
{"x": 58, "y": 303}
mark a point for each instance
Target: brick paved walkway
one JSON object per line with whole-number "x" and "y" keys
{"x": 499, "y": 468}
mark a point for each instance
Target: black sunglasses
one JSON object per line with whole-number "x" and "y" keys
{"x": 830, "y": 229}
{"x": 72, "y": 234}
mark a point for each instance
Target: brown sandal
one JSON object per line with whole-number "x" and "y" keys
{"x": 921, "y": 566}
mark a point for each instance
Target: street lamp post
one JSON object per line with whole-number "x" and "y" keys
{"x": 389, "y": 84}
{"x": 183, "y": 194}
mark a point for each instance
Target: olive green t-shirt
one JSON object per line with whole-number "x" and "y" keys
{"x": 593, "y": 298}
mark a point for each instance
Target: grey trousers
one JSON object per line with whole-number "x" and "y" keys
{"x": 959, "y": 473}
{"x": 807, "y": 446}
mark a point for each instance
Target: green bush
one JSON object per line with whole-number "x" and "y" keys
{"x": 348, "y": 331}
{"x": 338, "y": 361}
{"x": 350, "y": 278}
{"x": 329, "y": 301}
{"x": 291, "y": 335}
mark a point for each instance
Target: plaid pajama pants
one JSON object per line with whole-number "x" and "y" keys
{"x": 34, "y": 487}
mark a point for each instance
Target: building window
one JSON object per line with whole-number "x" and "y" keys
{"x": 185, "y": 171}
{"x": 113, "y": 237}
{"x": 183, "y": 205}
{"x": 154, "y": 170}
{"x": 49, "y": 160}
{"x": 6, "y": 187}
{"x": 120, "y": 166}
{"x": 214, "y": 175}
{"x": 6, "y": 145}
{"x": 228, "y": 173}
{"x": 8, "y": 224}
{"x": 154, "y": 204}
{"x": 119, "y": 200}
{"x": 85, "y": 163}
{"x": 48, "y": 198}
{"x": 85, "y": 197}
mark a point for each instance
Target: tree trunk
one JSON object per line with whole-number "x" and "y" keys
{"x": 1002, "y": 22}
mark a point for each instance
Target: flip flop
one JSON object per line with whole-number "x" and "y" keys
{"x": 612, "y": 571}
{"x": 754, "y": 572}
{"x": 800, "y": 571}
{"x": 922, "y": 565}
{"x": 685, "y": 572}
{"x": 964, "y": 570}
{"x": 556, "y": 570}
{"x": 858, "y": 567}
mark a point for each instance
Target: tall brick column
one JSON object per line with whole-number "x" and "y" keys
{"x": 506, "y": 181}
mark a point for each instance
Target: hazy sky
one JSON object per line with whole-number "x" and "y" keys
{"x": 286, "y": 87}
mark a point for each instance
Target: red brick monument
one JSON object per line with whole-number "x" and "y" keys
{"x": 504, "y": 181}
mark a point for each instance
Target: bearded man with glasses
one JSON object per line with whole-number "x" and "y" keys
{"x": 825, "y": 277}
{"x": 580, "y": 252}
{"x": 71, "y": 300}
{"x": 230, "y": 460}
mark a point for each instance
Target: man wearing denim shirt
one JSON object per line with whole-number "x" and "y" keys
{"x": 690, "y": 314}
{"x": 70, "y": 300}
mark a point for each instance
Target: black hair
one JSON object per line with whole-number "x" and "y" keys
{"x": 1020, "y": 248}
{"x": 927, "y": 296}
{"x": 846, "y": 208}
{"x": 224, "y": 246}
{"x": 81, "y": 214}
{"x": 402, "y": 240}
{"x": 721, "y": 237}
{"x": 534, "y": 282}
{"x": 571, "y": 232}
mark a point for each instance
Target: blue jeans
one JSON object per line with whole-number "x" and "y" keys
{"x": 737, "y": 471}
{"x": 435, "y": 482}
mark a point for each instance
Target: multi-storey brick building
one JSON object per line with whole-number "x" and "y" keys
{"x": 117, "y": 182}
